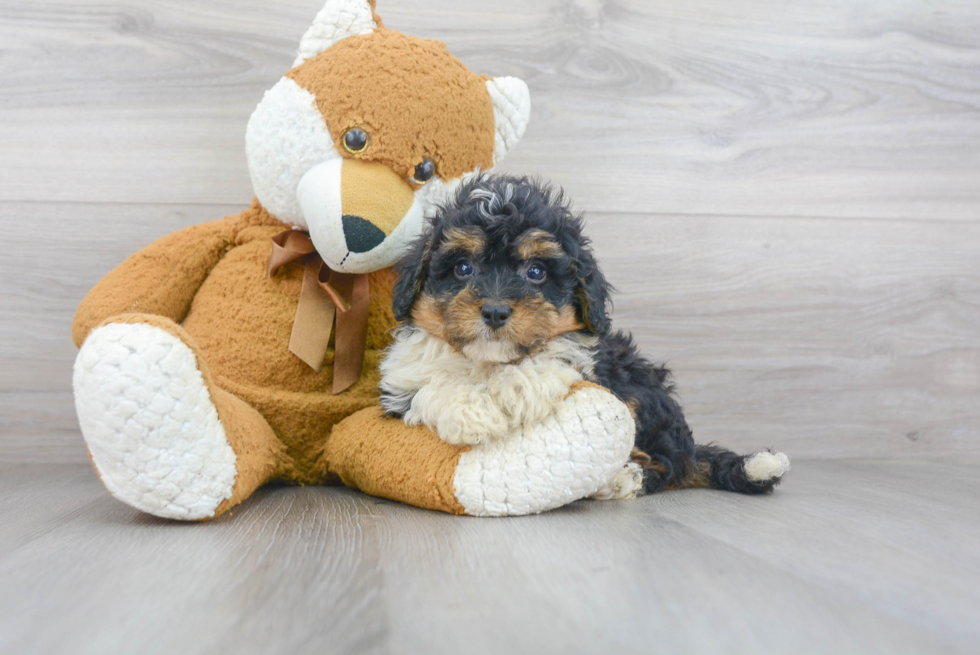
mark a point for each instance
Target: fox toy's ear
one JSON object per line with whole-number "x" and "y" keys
{"x": 337, "y": 20}
{"x": 511, "y": 112}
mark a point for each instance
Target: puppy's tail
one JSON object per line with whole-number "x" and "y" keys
{"x": 716, "y": 468}
{"x": 720, "y": 468}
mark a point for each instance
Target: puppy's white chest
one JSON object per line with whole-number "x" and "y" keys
{"x": 468, "y": 402}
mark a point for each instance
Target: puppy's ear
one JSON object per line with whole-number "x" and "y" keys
{"x": 592, "y": 293}
{"x": 412, "y": 271}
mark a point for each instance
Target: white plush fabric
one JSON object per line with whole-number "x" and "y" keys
{"x": 337, "y": 20}
{"x": 435, "y": 192}
{"x": 319, "y": 195}
{"x": 765, "y": 466}
{"x": 295, "y": 173}
{"x": 511, "y": 112}
{"x": 575, "y": 453}
{"x": 295, "y": 168}
{"x": 285, "y": 138}
{"x": 149, "y": 422}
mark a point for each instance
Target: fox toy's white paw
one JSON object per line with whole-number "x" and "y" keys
{"x": 580, "y": 450}
{"x": 150, "y": 424}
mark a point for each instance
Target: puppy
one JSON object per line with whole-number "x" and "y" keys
{"x": 504, "y": 308}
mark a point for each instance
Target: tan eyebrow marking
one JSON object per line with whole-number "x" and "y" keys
{"x": 470, "y": 241}
{"x": 538, "y": 244}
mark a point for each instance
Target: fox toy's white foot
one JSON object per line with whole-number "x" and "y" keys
{"x": 580, "y": 451}
{"x": 150, "y": 423}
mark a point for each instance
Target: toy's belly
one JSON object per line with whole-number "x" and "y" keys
{"x": 242, "y": 320}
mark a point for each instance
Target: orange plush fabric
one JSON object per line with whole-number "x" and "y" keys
{"x": 261, "y": 456}
{"x": 208, "y": 286}
{"x": 383, "y": 457}
{"x": 240, "y": 322}
{"x": 412, "y": 97}
{"x": 243, "y": 320}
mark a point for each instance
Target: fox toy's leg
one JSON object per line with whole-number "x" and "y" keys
{"x": 580, "y": 451}
{"x": 162, "y": 436}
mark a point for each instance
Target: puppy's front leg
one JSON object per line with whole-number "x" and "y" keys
{"x": 530, "y": 392}
{"x": 462, "y": 416}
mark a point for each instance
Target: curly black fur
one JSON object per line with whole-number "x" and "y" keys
{"x": 664, "y": 442}
{"x": 576, "y": 278}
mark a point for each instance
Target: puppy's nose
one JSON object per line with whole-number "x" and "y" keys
{"x": 496, "y": 315}
{"x": 360, "y": 235}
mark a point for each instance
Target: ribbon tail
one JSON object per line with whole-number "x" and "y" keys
{"x": 287, "y": 247}
{"x": 326, "y": 295}
{"x": 314, "y": 320}
{"x": 338, "y": 286}
{"x": 351, "y": 336}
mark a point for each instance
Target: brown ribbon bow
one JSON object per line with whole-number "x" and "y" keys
{"x": 326, "y": 294}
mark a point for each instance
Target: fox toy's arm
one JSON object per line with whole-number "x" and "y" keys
{"x": 582, "y": 450}
{"x": 161, "y": 279}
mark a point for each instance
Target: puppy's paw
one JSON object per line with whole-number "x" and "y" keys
{"x": 627, "y": 484}
{"x": 766, "y": 466}
{"x": 468, "y": 428}
{"x": 458, "y": 436}
{"x": 468, "y": 418}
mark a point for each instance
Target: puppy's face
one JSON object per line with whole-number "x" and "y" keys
{"x": 501, "y": 274}
{"x": 497, "y": 299}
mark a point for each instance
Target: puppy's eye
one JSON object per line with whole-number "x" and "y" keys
{"x": 355, "y": 140}
{"x": 424, "y": 171}
{"x": 536, "y": 273}
{"x": 463, "y": 269}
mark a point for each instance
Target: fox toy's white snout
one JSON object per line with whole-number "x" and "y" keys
{"x": 352, "y": 229}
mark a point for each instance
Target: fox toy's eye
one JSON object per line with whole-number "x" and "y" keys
{"x": 424, "y": 171}
{"x": 536, "y": 273}
{"x": 355, "y": 140}
{"x": 463, "y": 269}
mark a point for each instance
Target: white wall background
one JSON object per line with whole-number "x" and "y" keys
{"x": 786, "y": 194}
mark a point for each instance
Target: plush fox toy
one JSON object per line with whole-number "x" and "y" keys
{"x": 246, "y": 350}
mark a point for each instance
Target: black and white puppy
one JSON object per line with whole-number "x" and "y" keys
{"x": 504, "y": 308}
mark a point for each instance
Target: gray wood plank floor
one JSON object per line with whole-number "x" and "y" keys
{"x": 786, "y": 195}
{"x": 853, "y": 556}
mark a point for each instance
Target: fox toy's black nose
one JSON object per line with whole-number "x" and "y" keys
{"x": 496, "y": 315}
{"x": 360, "y": 235}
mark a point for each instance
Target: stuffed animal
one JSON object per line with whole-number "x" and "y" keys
{"x": 243, "y": 351}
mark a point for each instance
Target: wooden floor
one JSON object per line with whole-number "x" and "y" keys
{"x": 787, "y": 196}
{"x": 846, "y": 557}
